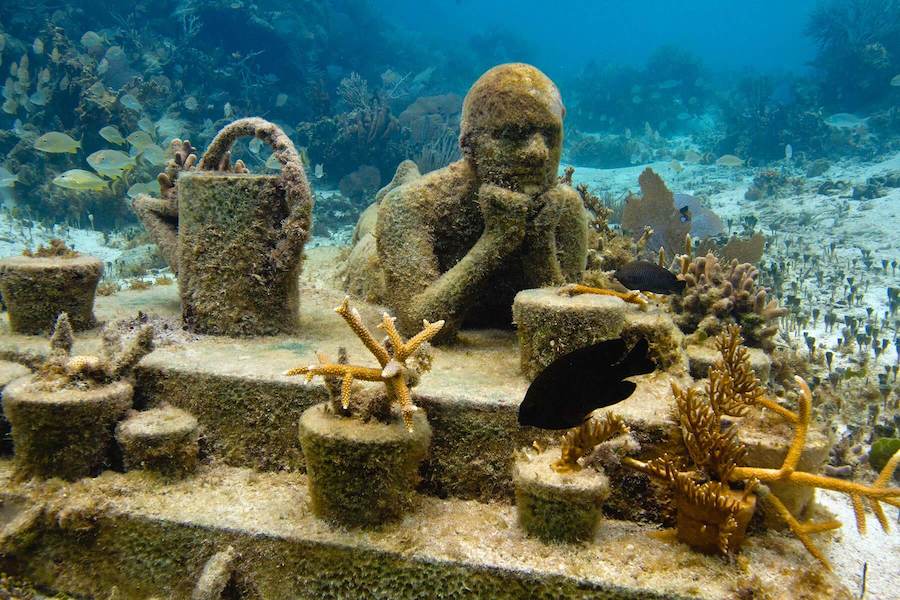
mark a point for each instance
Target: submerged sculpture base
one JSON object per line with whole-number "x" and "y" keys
{"x": 143, "y": 538}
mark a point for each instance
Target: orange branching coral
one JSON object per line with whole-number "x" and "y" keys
{"x": 575, "y": 289}
{"x": 393, "y": 356}
{"x": 714, "y": 451}
{"x": 581, "y": 440}
{"x": 733, "y": 386}
{"x": 716, "y": 454}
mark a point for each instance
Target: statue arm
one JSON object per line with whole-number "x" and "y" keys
{"x": 406, "y": 251}
{"x": 556, "y": 241}
{"x": 571, "y": 235}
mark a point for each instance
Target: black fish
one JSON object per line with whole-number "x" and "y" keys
{"x": 573, "y": 385}
{"x": 649, "y": 277}
{"x": 685, "y": 212}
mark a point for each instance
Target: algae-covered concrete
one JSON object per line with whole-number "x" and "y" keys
{"x": 141, "y": 538}
{"x": 248, "y": 409}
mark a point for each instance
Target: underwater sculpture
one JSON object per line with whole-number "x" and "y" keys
{"x": 461, "y": 241}
{"x": 234, "y": 239}
{"x": 63, "y": 415}
{"x": 362, "y": 458}
{"x": 40, "y": 285}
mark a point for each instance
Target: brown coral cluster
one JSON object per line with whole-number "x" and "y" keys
{"x": 581, "y": 441}
{"x": 717, "y": 294}
{"x": 116, "y": 359}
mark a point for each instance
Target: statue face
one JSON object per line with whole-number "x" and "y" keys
{"x": 520, "y": 156}
{"x": 511, "y": 128}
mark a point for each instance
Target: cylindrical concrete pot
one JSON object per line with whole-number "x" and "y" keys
{"x": 65, "y": 433}
{"x": 557, "y": 507}
{"x": 701, "y": 527}
{"x": 361, "y": 474}
{"x": 37, "y": 289}
{"x": 162, "y": 440}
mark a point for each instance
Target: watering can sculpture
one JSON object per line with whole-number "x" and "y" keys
{"x": 234, "y": 239}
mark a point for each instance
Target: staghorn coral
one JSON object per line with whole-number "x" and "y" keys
{"x": 581, "y": 441}
{"x": 632, "y": 297}
{"x": 716, "y": 454}
{"x": 717, "y": 294}
{"x": 61, "y": 370}
{"x": 401, "y": 363}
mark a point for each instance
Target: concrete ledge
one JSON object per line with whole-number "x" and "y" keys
{"x": 248, "y": 410}
{"x": 142, "y": 538}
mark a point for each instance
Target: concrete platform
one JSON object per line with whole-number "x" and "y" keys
{"x": 248, "y": 410}
{"x": 130, "y": 536}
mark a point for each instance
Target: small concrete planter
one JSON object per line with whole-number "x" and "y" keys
{"x": 37, "y": 289}
{"x": 700, "y": 527}
{"x": 162, "y": 440}
{"x": 557, "y": 507}
{"x": 361, "y": 474}
{"x": 66, "y": 433}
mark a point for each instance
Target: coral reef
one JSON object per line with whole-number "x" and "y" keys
{"x": 718, "y": 294}
{"x": 362, "y": 461}
{"x": 401, "y": 365}
{"x": 655, "y": 209}
{"x": 705, "y": 494}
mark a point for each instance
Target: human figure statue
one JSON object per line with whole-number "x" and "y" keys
{"x": 458, "y": 243}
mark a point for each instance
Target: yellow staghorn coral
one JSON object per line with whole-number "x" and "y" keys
{"x": 581, "y": 440}
{"x": 873, "y": 494}
{"x": 392, "y": 356}
{"x": 575, "y": 289}
{"x": 716, "y": 454}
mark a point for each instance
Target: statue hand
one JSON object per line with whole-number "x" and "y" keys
{"x": 504, "y": 211}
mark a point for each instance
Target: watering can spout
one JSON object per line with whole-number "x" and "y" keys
{"x": 160, "y": 219}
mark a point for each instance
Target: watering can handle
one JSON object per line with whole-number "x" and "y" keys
{"x": 296, "y": 227}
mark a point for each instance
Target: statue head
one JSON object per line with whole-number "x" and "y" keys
{"x": 511, "y": 128}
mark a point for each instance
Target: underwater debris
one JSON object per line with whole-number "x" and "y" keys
{"x": 575, "y": 384}
{"x": 400, "y": 364}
